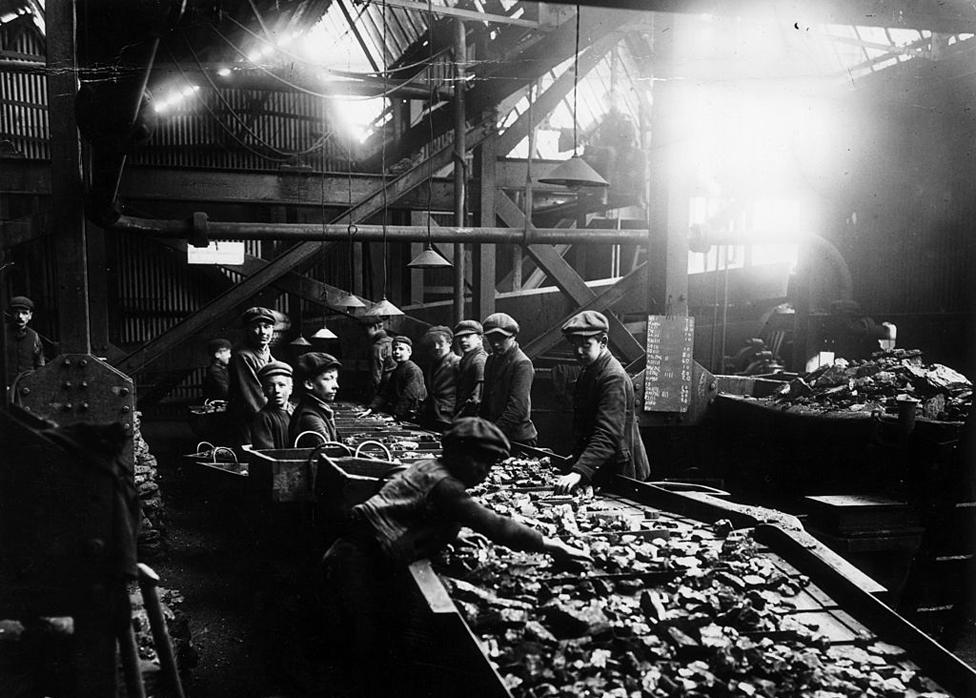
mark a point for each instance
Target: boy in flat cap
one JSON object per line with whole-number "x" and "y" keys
{"x": 509, "y": 374}
{"x": 245, "y": 398}
{"x": 216, "y": 382}
{"x": 441, "y": 378}
{"x": 269, "y": 428}
{"x": 404, "y": 391}
{"x": 381, "y": 363}
{"x": 24, "y": 349}
{"x": 471, "y": 368}
{"x": 319, "y": 373}
{"x": 414, "y": 515}
{"x": 605, "y": 429}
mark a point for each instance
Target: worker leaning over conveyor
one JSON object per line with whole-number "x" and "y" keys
{"x": 381, "y": 363}
{"x": 509, "y": 373}
{"x": 470, "y": 369}
{"x": 605, "y": 430}
{"x": 441, "y": 378}
{"x": 319, "y": 373}
{"x": 245, "y": 397}
{"x": 404, "y": 391}
{"x": 414, "y": 516}
{"x": 269, "y": 428}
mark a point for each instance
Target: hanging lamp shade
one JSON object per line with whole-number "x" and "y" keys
{"x": 429, "y": 259}
{"x": 325, "y": 333}
{"x": 383, "y": 309}
{"x": 574, "y": 173}
{"x": 300, "y": 341}
{"x": 347, "y": 300}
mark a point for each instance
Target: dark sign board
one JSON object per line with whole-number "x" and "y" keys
{"x": 668, "y": 376}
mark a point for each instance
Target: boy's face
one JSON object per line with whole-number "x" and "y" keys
{"x": 440, "y": 347}
{"x": 222, "y": 356}
{"x": 259, "y": 333}
{"x": 469, "y": 342}
{"x": 325, "y": 385}
{"x": 278, "y": 389}
{"x": 500, "y": 343}
{"x": 401, "y": 352}
{"x": 473, "y": 467}
{"x": 586, "y": 349}
{"x": 20, "y": 317}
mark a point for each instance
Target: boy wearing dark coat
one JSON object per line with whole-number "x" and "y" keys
{"x": 320, "y": 378}
{"x": 605, "y": 429}
{"x": 245, "y": 398}
{"x": 216, "y": 382}
{"x": 471, "y": 368}
{"x": 269, "y": 428}
{"x": 441, "y": 378}
{"x": 404, "y": 391}
{"x": 509, "y": 373}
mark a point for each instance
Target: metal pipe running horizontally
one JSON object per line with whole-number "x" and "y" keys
{"x": 200, "y": 229}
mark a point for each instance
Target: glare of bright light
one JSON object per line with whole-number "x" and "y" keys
{"x": 161, "y": 106}
{"x": 356, "y": 116}
{"x": 223, "y": 72}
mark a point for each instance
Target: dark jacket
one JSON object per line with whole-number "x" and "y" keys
{"x": 605, "y": 429}
{"x": 312, "y": 414}
{"x": 24, "y": 351}
{"x": 442, "y": 390}
{"x": 216, "y": 383}
{"x": 506, "y": 400}
{"x": 245, "y": 397}
{"x": 470, "y": 383}
{"x": 381, "y": 363}
{"x": 403, "y": 392}
{"x": 269, "y": 428}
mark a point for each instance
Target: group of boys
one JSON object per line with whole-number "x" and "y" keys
{"x": 495, "y": 387}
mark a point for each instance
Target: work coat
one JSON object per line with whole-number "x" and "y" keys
{"x": 313, "y": 414}
{"x": 506, "y": 399}
{"x": 470, "y": 383}
{"x": 606, "y": 434}
{"x": 403, "y": 392}
{"x": 442, "y": 390}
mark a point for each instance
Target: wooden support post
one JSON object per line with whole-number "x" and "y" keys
{"x": 568, "y": 281}
{"x": 667, "y": 253}
{"x": 460, "y": 149}
{"x": 67, "y": 211}
{"x": 484, "y": 253}
{"x": 417, "y": 275}
{"x": 98, "y": 298}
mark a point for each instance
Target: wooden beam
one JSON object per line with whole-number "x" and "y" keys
{"x": 214, "y": 312}
{"x": 67, "y": 216}
{"x": 632, "y": 283}
{"x": 568, "y": 281}
{"x": 546, "y": 102}
{"x": 483, "y": 254}
{"x": 472, "y": 15}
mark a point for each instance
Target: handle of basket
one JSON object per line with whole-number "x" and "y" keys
{"x": 202, "y": 444}
{"x": 224, "y": 448}
{"x": 319, "y": 434}
{"x": 389, "y": 456}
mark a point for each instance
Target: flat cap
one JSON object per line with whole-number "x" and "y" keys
{"x": 313, "y": 363}
{"x": 439, "y": 330}
{"x": 274, "y": 368}
{"x": 215, "y": 345}
{"x": 403, "y": 339}
{"x": 501, "y": 322}
{"x": 258, "y": 314}
{"x": 468, "y": 327}
{"x": 475, "y": 432}
{"x": 21, "y": 303}
{"x": 587, "y": 323}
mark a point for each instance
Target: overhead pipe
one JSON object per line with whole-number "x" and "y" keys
{"x": 198, "y": 229}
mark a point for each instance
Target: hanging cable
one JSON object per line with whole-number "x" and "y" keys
{"x": 576, "y": 81}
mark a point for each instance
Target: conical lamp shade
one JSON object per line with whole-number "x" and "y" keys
{"x": 383, "y": 309}
{"x": 325, "y": 333}
{"x": 300, "y": 341}
{"x": 429, "y": 259}
{"x": 347, "y": 300}
{"x": 574, "y": 173}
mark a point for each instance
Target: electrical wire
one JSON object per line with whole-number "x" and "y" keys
{"x": 576, "y": 82}
{"x": 386, "y": 77}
